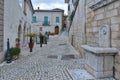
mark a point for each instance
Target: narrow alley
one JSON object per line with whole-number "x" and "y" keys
{"x": 47, "y": 63}
{"x": 59, "y": 39}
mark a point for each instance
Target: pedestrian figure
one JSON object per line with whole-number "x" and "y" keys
{"x": 45, "y": 37}
{"x": 30, "y": 44}
{"x": 41, "y": 39}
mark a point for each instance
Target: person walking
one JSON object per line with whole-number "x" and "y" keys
{"x": 41, "y": 39}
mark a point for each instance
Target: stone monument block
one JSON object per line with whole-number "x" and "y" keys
{"x": 100, "y": 59}
{"x": 104, "y": 36}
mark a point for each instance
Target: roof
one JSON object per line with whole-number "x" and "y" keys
{"x": 58, "y": 9}
{"x": 53, "y": 10}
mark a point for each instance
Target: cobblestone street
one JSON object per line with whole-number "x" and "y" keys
{"x": 47, "y": 63}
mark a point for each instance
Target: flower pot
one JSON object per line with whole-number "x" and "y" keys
{"x": 31, "y": 45}
{"x": 18, "y": 45}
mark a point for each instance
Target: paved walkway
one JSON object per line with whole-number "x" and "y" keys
{"x": 50, "y": 62}
{"x": 57, "y": 60}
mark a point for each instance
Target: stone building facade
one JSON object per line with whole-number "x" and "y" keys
{"x": 47, "y": 20}
{"x": 15, "y": 22}
{"x": 89, "y": 16}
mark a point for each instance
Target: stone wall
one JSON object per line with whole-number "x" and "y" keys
{"x": 108, "y": 14}
{"x": 77, "y": 30}
{"x": 86, "y": 24}
{"x": 1, "y": 23}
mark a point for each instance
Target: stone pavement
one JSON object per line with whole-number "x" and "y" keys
{"x": 47, "y": 63}
{"x": 51, "y": 62}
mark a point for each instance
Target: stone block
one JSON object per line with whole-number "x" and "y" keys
{"x": 115, "y": 35}
{"x": 115, "y": 27}
{"x": 117, "y": 67}
{"x": 99, "y": 11}
{"x": 95, "y": 29}
{"x": 99, "y": 16}
{"x": 99, "y": 61}
{"x": 100, "y": 22}
{"x": 107, "y": 21}
{"x": 94, "y": 23}
{"x": 116, "y": 4}
{"x": 117, "y": 58}
{"x": 115, "y": 19}
{"x": 98, "y": 74}
{"x": 108, "y": 63}
{"x": 115, "y": 43}
{"x": 110, "y": 13}
{"x": 110, "y": 6}
{"x": 89, "y": 30}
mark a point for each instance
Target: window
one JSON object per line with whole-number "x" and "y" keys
{"x": 34, "y": 19}
{"x": 57, "y": 20}
{"x": 46, "y": 20}
{"x": 25, "y": 2}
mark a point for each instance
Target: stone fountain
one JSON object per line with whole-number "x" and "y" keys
{"x": 100, "y": 59}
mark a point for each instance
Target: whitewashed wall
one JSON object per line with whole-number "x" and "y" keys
{"x": 13, "y": 17}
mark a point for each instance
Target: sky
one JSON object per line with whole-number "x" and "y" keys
{"x": 50, "y": 4}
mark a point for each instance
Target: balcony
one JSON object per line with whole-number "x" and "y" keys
{"x": 46, "y": 23}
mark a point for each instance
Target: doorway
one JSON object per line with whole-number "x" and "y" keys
{"x": 56, "y": 30}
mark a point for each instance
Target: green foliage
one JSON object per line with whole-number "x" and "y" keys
{"x": 15, "y": 51}
{"x": 31, "y": 35}
{"x": 17, "y": 40}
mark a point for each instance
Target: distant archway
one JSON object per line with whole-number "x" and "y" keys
{"x": 19, "y": 31}
{"x": 56, "y": 29}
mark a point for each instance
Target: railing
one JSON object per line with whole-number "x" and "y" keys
{"x": 46, "y": 23}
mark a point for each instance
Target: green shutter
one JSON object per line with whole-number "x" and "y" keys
{"x": 46, "y": 20}
{"x": 34, "y": 19}
{"x": 57, "y": 19}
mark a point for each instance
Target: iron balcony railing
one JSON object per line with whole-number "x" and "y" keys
{"x": 46, "y": 23}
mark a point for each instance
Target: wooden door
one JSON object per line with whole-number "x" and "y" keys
{"x": 56, "y": 30}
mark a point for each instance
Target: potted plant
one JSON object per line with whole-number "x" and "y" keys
{"x": 31, "y": 35}
{"x": 15, "y": 51}
{"x": 17, "y": 42}
{"x": 31, "y": 43}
